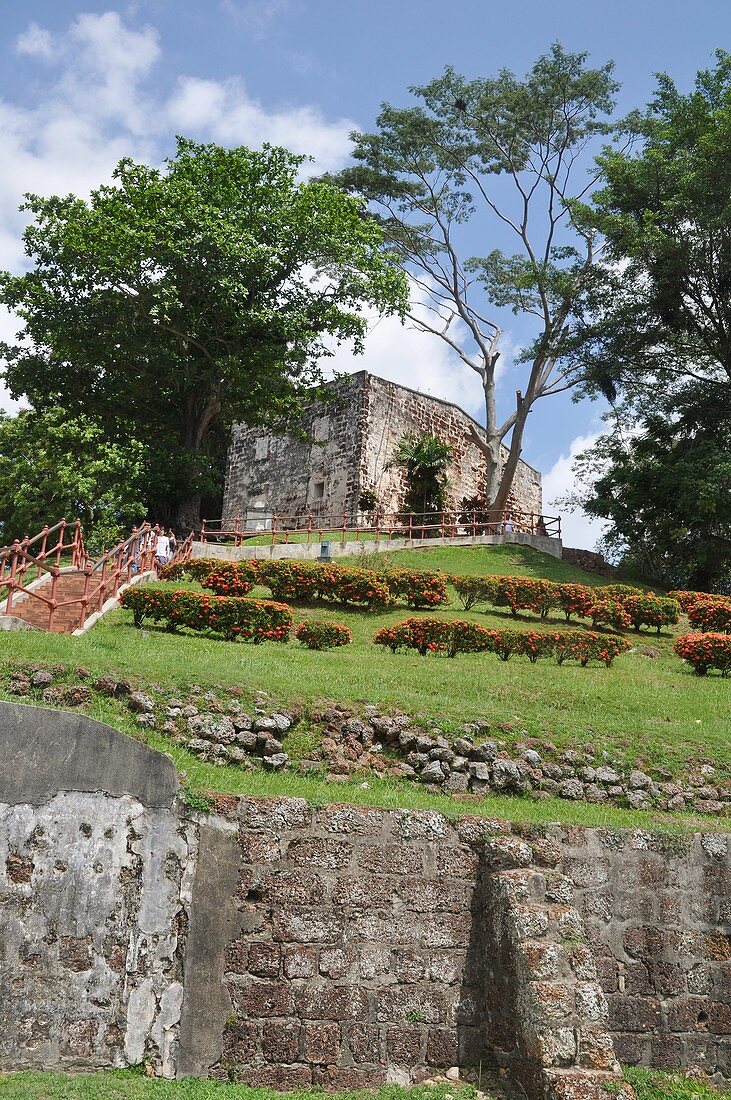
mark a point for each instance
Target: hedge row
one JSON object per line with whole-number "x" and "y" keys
{"x": 308, "y": 581}
{"x": 615, "y": 605}
{"x": 232, "y": 616}
{"x": 460, "y": 636}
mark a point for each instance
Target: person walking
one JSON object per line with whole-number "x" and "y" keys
{"x": 162, "y": 546}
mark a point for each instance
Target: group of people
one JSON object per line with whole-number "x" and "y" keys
{"x": 165, "y": 544}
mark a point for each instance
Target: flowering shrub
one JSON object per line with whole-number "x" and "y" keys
{"x": 435, "y": 636}
{"x": 617, "y": 591}
{"x": 574, "y": 599}
{"x": 584, "y": 646}
{"x": 711, "y": 613}
{"x": 232, "y": 616}
{"x": 417, "y": 587}
{"x": 450, "y": 638}
{"x": 523, "y": 594}
{"x": 647, "y": 609}
{"x": 196, "y": 569}
{"x": 231, "y": 579}
{"x": 473, "y": 590}
{"x": 290, "y": 580}
{"x": 319, "y": 634}
{"x": 686, "y": 598}
{"x": 611, "y": 612}
{"x": 148, "y": 601}
{"x": 705, "y": 651}
{"x": 353, "y": 586}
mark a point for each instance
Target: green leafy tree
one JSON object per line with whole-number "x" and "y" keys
{"x": 177, "y": 301}
{"x": 516, "y": 152}
{"x": 425, "y": 459}
{"x": 657, "y": 342}
{"x": 664, "y": 485}
{"x": 53, "y": 466}
{"x": 661, "y": 317}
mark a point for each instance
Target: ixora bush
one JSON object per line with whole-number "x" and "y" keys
{"x": 686, "y": 598}
{"x": 440, "y": 637}
{"x": 574, "y": 599}
{"x": 585, "y": 645}
{"x": 321, "y": 634}
{"x": 418, "y": 588}
{"x": 353, "y": 586}
{"x": 290, "y": 580}
{"x": 231, "y": 579}
{"x": 232, "y": 616}
{"x": 435, "y": 636}
{"x": 196, "y": 569}
{"x": 474, "y": 590}
{"x": 148, "y": 601}
{"x": 646, "y": 609}
{"x": 705, "y": 652}
{"x": 711, "y": 613}
{"x": 610, "y": 612}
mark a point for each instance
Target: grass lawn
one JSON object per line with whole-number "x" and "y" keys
{"x": 648, "y": 711}
{"x": 131, "y": 1085}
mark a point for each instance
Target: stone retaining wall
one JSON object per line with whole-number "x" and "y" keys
{"x": 283, "y": 944}
{"x": 658, "y": 915}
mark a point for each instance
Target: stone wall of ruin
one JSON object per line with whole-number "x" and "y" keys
{"x": 392, "y": 411}
{"x": 352, "y": 441}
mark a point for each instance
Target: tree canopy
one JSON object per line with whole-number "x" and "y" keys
{"x": 179, "y": 300}
{"x": 658, "y": 339}
{"x": 52, "y": 465}
{"x": 518, "y": 152}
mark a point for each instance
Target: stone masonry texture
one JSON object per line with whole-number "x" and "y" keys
{"x": 352, "y": 441}
{"x": 282, "y": 944}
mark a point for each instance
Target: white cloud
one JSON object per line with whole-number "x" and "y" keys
{"x": 258, "y": 16}
{"x": 420, "y": 360}
{"x": 35, "y": 42}
{"x": 96, "y": 102}
{"x": 578, "y": 529}
{"x": 226, "y": 113}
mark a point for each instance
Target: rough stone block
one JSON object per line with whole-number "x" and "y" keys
{"x": 263, "y": 999}
{"x": 280, "y": 1041}
{"x": 322, "y": 1042}
{"x": 324, "y": 1001}
{"x": 264, "y": 959}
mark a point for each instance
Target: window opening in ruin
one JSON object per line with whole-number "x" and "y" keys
{"x": 318, "y": 490}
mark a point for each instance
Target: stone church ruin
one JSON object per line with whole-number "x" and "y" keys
{"x": 351, "y": 444}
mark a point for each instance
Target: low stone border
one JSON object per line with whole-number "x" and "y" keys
{"x": 219, "y": 727}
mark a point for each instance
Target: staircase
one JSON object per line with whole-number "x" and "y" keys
{"x": 51, "y": 583}
{"x": 69, "y": 612}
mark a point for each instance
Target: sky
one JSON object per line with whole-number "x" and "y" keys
{"x": 82, "y": 85}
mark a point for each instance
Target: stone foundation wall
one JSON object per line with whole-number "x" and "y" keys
{"x": 657, "y": 910}
{"x": 282, "y": 944}
{"x": 94, "y": 893}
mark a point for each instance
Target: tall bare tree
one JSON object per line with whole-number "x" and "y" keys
{"x": 521, "y": 152}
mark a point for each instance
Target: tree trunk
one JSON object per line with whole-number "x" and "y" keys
{"x": 514, "y": 453}
{"x": 187, "y": 516}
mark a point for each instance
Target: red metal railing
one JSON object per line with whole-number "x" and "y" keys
{"x": 58, "y": 552}
{"x": 284, "y": 528}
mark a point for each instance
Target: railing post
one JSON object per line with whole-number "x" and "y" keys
{"x": 343, "y": 538}
{"x": 52, "y": 602}
{"x": 237, "y": 532}
{"x": 15, "y": 549}
{"x": 203, "y": 531}
{"x": 85, "y": 597}
{"x": 309, "y": 528}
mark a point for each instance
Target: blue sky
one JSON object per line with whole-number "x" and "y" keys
{"x": 83, "y": 84}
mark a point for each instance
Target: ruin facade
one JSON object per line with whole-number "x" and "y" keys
{"x": 347, "y": 447}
